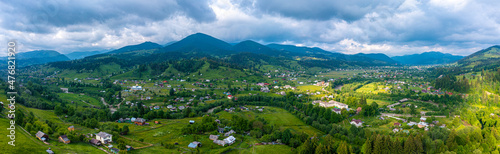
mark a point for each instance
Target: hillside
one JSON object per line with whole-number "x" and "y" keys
{"x": 483, "y": 59}
{"x": 81, "y": 54}
{"x": 39, "y": 57}
{"x": 142, "y": 46}
{"x": 427, "y": 58}
{"x": 199, "y": 43}
{"x": 299, "y": 50}
{"x": 253, "y": 47}
{"x": 378, "y": 56}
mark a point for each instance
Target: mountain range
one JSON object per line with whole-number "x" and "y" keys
{"x": 427, "y": 58}
{"x": 202, "y": 45}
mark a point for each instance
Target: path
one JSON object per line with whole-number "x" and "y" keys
{"x": 111, "y": 108}
{"x": 212, "y": 109}
{"x": 430, "y": 102}
{"x": 89, "y": 104}
{"x": 406, "y": 115}
{"x": 148, "y": 144}
{"x": 338, "y": 87}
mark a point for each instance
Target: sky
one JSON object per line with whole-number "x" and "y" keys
{"x": 393, "y": 27}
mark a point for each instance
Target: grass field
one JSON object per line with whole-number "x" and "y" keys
{"x": 278, "y": 117}
{"x": 370, "y": 88}
{"x": 379, "y": 102}
{"x": 311, "y": 88}
{"x": 77, "y": 98}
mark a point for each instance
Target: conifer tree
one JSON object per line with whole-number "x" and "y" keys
{"x": 409, "y": 145}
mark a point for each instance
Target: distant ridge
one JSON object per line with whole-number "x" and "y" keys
{"x": 427, "y": 58}
{"x": 143, "y": 46}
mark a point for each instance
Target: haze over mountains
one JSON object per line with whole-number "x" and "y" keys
{"x": 202, "y": 45}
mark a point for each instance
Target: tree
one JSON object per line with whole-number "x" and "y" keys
{"x": 343, "y": 149}
{"x": 125, "y": 130}
{"x": 378, "y": 146}
{"x": 368, "y": 146}
{"x": 409, "y": 145}
{"x": 172, "y": 92}
{"x": 450, "y": 142}
{"x": 321, "y": 149}
{"x": 58, "y": 110}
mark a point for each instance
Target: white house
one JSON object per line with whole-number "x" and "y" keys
{"x": 229, "y": 140}
{"x": 136, "y": 88}
{"x": 104, "y": 137}
{"x": 357, "y": 123}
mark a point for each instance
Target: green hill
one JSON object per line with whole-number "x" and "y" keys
{"x": 81, "y": 54}
{"x": 378, "y": 56}
{"x": 483, "y": 59}
{"x": 253, "y": 47}
{"x": 200, "y": 43}
{"x": 427, "y": 58}
{"x": 37, "y": 57}
{"x": 142, "y": 46}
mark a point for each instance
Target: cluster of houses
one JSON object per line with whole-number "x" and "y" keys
{"x": 101, "y": 138}
{"x": 331, "y": 103}
{"x": 137, "y": 121}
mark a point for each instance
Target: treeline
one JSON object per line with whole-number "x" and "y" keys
{"x": 450, "y": 82}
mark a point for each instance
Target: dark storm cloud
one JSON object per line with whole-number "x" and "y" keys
{"x": 349, "y": 10}
{"x": 40, "y": 16}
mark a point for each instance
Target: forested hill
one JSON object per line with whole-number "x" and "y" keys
{"x": 488, "y": 58}
{"x": 36, "y": 57}
{"x": 427, "y": 58}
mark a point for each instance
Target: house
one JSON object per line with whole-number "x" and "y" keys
{"x": 169, "y": 106}
{"x": 181, "y": 107}
{"x": 140, "y": 121}
{"x": 95, "y": 142}
{"x": 65, "y": 90}
{"x": 115, "y": 150}
{"x": 357, "y": 123}
{"x": 422, "y": 119}
{"x": 229, "y": 96}
{"x": 64, "y": 139}
{"x": 104, "y": 137}
{"x": 403, "y": 100}
{"x": 120, "y": 120}
{"x": 220, "y": 130}
{"x": 265, "y": 89}
{"x": 126, "y": 120}
{"x": 156, "y": 107}
{"x": 422, "y": 124}
{"x": 217, "y": 121}
{"x": 132, "y": 119}
{"x": 411, "y": 123}
{"x": 42, "y": 136}
{"x": 71, "y": 128}
{"x": 194, "y": 144}
{"x": 128, "y": 147}
{"x": 219, "y": 142}
{"x": 337, "y": 110}
{"x": 49, "y": 151}
{"x": 157, "y": 122}
{"x": 229, "y": 133}
{"x": 395, "y": 130}
{"x": 229, "y": 140}
{"x": 136, "y": 88}
{"x": 213, "y": 137}
{"x": 358, "y": 110}
{"x": 191, "y": 121}
{"x": 426, "y": 129}
{"x": 397, "y": 124}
